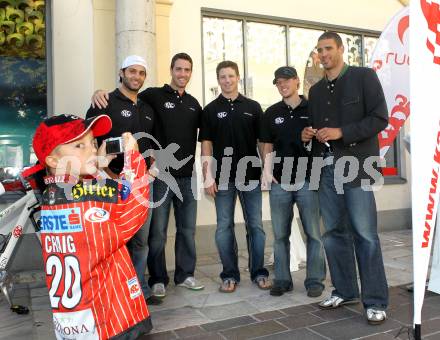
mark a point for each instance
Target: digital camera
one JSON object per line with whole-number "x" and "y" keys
{"x": 114, "y": 146}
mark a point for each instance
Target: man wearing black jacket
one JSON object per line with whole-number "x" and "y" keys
{"x": 347, "y": 111}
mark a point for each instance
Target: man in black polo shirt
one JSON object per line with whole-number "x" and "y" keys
{"x": 229, "y": 133}
{"x": 347, "y": 111}
{"x": 130, "y": 114}
{"x": 281, "y": 128}
{"x": 177, "y": 119}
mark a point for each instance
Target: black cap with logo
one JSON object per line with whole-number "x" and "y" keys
{"x": 285, "y": 72}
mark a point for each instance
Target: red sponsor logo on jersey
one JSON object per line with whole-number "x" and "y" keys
{"x": 96, "y": 214}
{"x": 74, "y": 218}
{"x": 18, "y": 231}
{"x": 431, "y": 12}
{"x": 134, "y": 289}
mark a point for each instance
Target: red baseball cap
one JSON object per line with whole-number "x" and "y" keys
{"x": 63, "y": 129}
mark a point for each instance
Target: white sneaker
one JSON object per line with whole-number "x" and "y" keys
{"x": 191, "y": 283}
{"x": 375, "y": 316}
{"x": 335, "y": 302}
{"x": 158, "y": 290}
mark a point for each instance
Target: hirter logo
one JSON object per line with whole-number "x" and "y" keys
{"x": 95, "y": 214}
{"x": 18, "y": 231}
{"x": 431, "y": 11}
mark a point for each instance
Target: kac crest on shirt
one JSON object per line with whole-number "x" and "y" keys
{"x": 279, "y": 120}
{"x": 222, "y": 114}
{"x": 126, "y": 113}
{"x": 169, "y": 105}
{"x": 134, "y": 288}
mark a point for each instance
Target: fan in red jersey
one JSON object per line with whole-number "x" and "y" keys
{"x": 86, "y": 221}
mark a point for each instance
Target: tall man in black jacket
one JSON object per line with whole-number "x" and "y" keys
{"x": 347, "y": 111}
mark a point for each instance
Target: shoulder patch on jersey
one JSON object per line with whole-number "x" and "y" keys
{"x": 134, "y": 287}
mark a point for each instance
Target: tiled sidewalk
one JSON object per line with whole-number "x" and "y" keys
{"x": 308, "y": 322}
{"x": 249, "y": 312}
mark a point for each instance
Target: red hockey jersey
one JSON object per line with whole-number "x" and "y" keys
{"x": 93, "y": 288}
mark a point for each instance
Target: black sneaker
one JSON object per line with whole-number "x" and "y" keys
{"x": 278, "y": 290}
{"x": 314, "y": 291}
{"x": 153, "y": 300}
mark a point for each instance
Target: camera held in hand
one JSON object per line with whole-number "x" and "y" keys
{"x": 114, "y": 146}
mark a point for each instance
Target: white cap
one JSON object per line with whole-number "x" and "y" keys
{"x": 134, "y": 60}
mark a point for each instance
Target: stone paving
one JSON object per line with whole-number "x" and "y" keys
{"x": 249, "y": 312}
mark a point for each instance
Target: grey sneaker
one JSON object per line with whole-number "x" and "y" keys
{"x": 191, "y": 283}
{"x": 375, "y": 316}
{"x": 334, "y": 302}
{"x": 158, "y": 290}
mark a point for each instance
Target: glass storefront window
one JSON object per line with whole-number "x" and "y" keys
{"x": 266, "y": 51}
{"x": 222, "y": 40}
{"x": 369, "y": 45}
{"x": 261, "y": 47}
{"x": 304, "y": 58}
{"x": 23, "y": 81}
{"x": 352, "y": 49}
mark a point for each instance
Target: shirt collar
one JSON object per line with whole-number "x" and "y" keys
{"x": 344, "y": 69}
{"x": 169, "y": 89}
{"x": 303, "y": 103}
{"x": 122, "y": 96}
{"x": 223, "y": 99}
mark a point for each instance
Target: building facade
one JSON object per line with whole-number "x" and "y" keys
{"x": 64, "y": 50}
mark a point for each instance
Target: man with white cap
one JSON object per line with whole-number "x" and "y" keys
{"x": 178, "y": 116}
{"x": 130, "y": 114}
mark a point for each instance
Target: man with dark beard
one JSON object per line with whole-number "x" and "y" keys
{"x": 129, "y": 114}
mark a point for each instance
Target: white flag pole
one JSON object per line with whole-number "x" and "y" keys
{"x": 425, "y": 140}
{"x": 434, "y": 278}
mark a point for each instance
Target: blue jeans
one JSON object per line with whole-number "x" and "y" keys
{"x": 138, "y": 249}
{"x": 281, "y": 209}
{"x": 350, "y": 221}
{"x": 184, "y": 247}
{"x": 225, "y": 235}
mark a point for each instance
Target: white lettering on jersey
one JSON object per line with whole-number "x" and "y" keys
{"x": 59, "y": 244}
{"x": 222, "y": 114}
